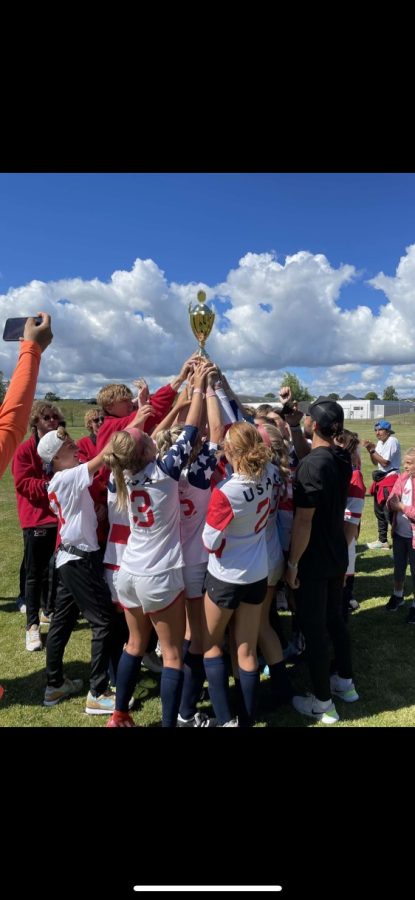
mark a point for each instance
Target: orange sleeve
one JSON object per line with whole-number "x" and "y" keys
{"x": 15, "y": 411}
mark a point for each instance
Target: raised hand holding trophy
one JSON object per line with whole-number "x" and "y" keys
{"x": 201, "y": 321}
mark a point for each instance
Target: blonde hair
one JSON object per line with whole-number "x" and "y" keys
{"x": 90, "y": 415}
{"x": 123, "y": 455}
{"x": 410, "y": 452}
{"x": 39, "y": 408}
{"x": 279, "y": 450}
{"x": 166, "y": 438}
{"x": 248, "y": 450}
{"x": 113, "y": 393}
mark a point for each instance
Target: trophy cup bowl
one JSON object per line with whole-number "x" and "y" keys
{"x": 201, "y": 321}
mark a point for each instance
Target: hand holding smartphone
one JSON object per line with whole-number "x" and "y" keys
{"x": 14, "y": 328}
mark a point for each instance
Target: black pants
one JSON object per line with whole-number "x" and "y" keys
{"x": 319, "y": 605}
{"x": 39, "y": 548}
{"x": 382, "y": 515}
{"x": 81, "y": 585}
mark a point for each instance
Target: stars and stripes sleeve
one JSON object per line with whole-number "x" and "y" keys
{"x": 201, "y": 470}
{"x": 178, "y": 455}
{"x": 219, "y": 515}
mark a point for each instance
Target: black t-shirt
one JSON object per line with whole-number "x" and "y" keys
{"x": 322, "y": 482}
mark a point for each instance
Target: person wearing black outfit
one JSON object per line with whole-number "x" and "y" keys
{"x": 318, "y": 561}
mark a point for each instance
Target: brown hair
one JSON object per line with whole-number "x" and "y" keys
{"x": 39, "y": 408}
{"x": 112, "y": 393}
{"x": 279, "y": 450}
{"x": 248, "y": 450}
{"x": 90, "y": 415}
{"x": 349, "y": 440}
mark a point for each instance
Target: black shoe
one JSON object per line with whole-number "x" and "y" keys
{"x": 394, "y": 603}
{"x": 411, "y": 616}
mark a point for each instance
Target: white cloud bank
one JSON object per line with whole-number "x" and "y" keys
{"x": 270, "y": 316}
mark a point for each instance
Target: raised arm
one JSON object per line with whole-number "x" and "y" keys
{"x": 15, "y": 411}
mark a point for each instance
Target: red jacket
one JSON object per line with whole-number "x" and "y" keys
{"x": 162, "y": 402}
{"x": 30, "y": 482}
{"x": 87, "y": 449}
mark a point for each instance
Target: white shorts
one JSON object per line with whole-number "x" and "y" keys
{"x": 194, "y": 579}
{"x": 276, "y": 573}
{"x": 111, "y": 576}
{"x": 150, "y": 592}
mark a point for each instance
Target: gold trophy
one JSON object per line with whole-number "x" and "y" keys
{"x": 201, "y": 321}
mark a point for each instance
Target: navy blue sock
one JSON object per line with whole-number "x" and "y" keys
{"x": 249, "y": 689}
{"x": 194, "y": 676}
{"x": 217, "y": 675}
{"x": 186, "y": 645}
{"x": 281, "y": 688}
{"x": 240, "y": 705}
{"x": 127, "y": 673}
{"x": 171, "y": 684}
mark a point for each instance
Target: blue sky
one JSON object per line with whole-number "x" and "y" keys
{"x": 196, "y": 228}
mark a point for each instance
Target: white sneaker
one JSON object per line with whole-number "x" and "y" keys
{"x": 33, "y": 641}
{"x": 378, "y": 545}
{"x": 316, "y": 709}
{"x": 152, "y": 662}
{"x": 233, "y": 723}
{"x": 343, "y": 688}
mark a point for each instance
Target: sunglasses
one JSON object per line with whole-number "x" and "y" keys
{"x": 48, "y": 418}
{"x": 99, "y": 419}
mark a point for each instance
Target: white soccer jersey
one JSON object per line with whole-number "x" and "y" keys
{"x": 234, "y": 532}
{"x": 355, "y": 499}
{"x": 119, "y": 530}
{"x": 194, "y": 496}
{"x": 274, "y": 549}
{"x": 72, "y": 503}
{"x": 390, "y": 450}
{"x": 153, "y": 506}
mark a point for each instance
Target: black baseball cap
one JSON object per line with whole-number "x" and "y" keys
{"x": 326, "y": 412}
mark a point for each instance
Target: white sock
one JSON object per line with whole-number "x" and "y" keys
{"x": 324, "y": 704}
{"x": 398, "y": 593}
{"x": 343, "y": 683}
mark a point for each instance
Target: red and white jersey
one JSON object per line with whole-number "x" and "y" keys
{"x": 355, "y": 498}
{"x": 72, "y": 503}
{"x": 274, "y": 549}
{"x": 154, "y": 512}
{"x": 194, "y": 496}
{"x": 234, "y": 533}
{"x": 119, "y": 530}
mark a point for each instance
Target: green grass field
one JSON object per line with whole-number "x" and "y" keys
{"x": 383, "y": 645}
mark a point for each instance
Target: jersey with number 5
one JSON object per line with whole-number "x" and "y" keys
{"x": 235, "y": 528}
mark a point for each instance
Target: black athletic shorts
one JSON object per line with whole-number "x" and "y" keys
{"x": 229, "y": 596}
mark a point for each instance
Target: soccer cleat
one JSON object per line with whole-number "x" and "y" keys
{"x": 120, "y": 720}
{"x": 394, "y": 603}
{"x": 378, "y": 545}
{"x": 54, "y": 695}
{"x": 310, "y": 706}
{"x": 44, "y": 619}
{"x": 233, "y": 723}
{"x": 343, "y": 688}
{"x": 353, "y": 604}
{"x": 199, "y": 720}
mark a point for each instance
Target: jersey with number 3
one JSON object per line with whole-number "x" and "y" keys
{"x": 235, "y": 530}
{"x": 153, "y": 546}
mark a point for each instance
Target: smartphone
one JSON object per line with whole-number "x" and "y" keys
{"x": 14, "y": 328}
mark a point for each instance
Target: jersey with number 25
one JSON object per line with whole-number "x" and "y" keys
{"x": 234, "y": 533}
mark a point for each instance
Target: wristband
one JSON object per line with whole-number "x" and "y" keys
{"x": 218, "y": 384}
{"x": 198, "y": 391}
{"x": 292, "y": 565}
{"x": 210, "y": 393}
